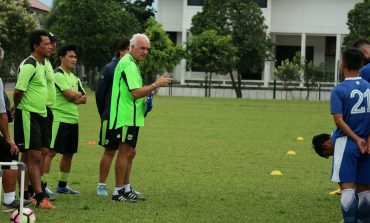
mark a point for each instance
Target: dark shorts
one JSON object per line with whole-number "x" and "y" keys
{"x": 128, "y": 134}
{"x": 108, "y": 137}
{"x": 46, "y": 133}
{"x": 28, "y": 130}
{"x": 64, "y": 137}
{"x": 5, "y": 155}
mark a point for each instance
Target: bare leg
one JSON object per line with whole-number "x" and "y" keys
{"x": 126, "y": 178}
{"x": 33, "y": 162}
{"x": 124, "y": 151}
{"x": 105, "y": 164}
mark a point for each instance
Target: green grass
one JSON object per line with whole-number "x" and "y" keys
{"x": 209, "y": 160}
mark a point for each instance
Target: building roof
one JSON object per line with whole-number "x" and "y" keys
{"x": 39, "y": 5}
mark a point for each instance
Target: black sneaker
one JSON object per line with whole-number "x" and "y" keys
{"x": 132, "y": 196}
{"x": 15, "y": 205}
{"x": 118, "y": 197}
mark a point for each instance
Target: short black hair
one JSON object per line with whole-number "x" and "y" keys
{"x": 35, "y": 37}
{"x": 122, "y": 45}
{"x": 360, "y": 43}
{"x": 353, "y": 58}
{"x": 62, "y": 51}
{"x": 318, "y": 141}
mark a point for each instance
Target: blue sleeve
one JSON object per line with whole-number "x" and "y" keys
{"x": 336, "y": 101}
{"x": 365, "y": 73}
{"x": 102, "y": 88}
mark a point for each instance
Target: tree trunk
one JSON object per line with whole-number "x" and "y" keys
{"x": 240, "y": 85}
{"x": 237, "y": 89}
{"x": 308, "y": 92}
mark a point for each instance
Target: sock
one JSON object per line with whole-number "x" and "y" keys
{"x": 102, "y": 184}
{"x": 349, "y": 204}
{"x": 39, "y": 196}
{"x": 30, "y": 189}
{"x": 116, "y": 189}
{"x": 9, "y": 197}
{"x": 63, "y": 179}
{"x": 127, "y": 188}
{"x": 44, "y": 179}
{"x": 364, "y": 206}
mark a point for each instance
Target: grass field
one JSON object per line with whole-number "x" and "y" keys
{"x": 209, "y": 160}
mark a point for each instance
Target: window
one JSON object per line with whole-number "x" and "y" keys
{"x": 195, "y": 2}
{"x": 261, "y": 3}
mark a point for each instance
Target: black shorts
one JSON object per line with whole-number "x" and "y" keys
{"x": 130, "y": 133}
{"x": 5, "y": 155}
{"x": 108, "y": 137}
{"x": 28, "y": 130}
{"x": 64, "y": 138}
{"x": 46, "y": 133}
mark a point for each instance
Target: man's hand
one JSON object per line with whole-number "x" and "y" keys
{"x": 13, "y": 147}
{"x": 12, "y": 111}
{"x": 362, "y": 145}
{"x": 163, "y": 81}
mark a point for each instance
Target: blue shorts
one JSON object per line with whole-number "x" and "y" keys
{"x": 349, "y": 165}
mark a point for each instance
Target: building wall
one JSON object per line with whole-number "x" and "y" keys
{"x": 169, "y": 14}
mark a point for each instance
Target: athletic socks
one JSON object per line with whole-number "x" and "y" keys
{"x": 364, "y": 206}
{"x": 349, "y": 204}
{"x": 116, "y": 189}
{"x": 63, "y": 179}
{"x": 127, "y": 188}
{"x": 9, "y": 197}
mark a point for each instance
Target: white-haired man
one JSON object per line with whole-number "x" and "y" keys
{"x": 127, "y": 111}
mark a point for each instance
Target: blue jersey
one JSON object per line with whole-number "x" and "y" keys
{"x": 103, "y": 91}
{"x": 365, "y": 72}
{"x": 351, "y": 98}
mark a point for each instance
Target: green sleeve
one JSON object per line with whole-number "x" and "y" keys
{"x": 61, "y": 81}
{"x": 25, "y": 74}
{"x": 132, "y": 76}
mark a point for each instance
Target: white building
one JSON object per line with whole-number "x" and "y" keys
{"x": 314, "y": 27}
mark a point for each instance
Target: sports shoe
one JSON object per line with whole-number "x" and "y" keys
{"x": 132, "y": 196}
{"x": 119, "y": 197}
{"x": 45, "y": 204}
{"x": 66, "y": 190}
{"x": 15, "y": 205}
{"x": 48, "y": 191}
{"x": 102, "y": 190}
{"x": 136, "y": 192}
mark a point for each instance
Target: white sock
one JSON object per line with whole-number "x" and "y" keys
{"x": 9, "y": 197}
{"x": 116, "y": 189}
{"x": 127, "y": 188}
{"x": 102, "y": 184}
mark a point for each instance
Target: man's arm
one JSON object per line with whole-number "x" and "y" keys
{"x": 17, "y": 97}
{"x": 338, "y": 119}
{"x": 71, "y": 95}
{"x": 163, "y": 81}
{"x": 5, "y": 132}
{"x": 80, "y": 100}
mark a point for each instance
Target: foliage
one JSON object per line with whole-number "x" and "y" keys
{"x": 289, "y": 71}
{"x": 244, "y": 22}
{"x": 92, "y": 24}
{"x": 163, "y": 56}
{"x": 358, "y": 20}
{"x": 15, "y": 26}
{"x": 312, "y": 75}
{"x": 211, "y": 52}
{"x": 141, "y": 9}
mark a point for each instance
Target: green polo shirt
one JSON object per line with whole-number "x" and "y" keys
{"x": 64, "y": 110}
{"x": 50, "y": 83}
{"x": 32, "y": 81}
{"x": 125, "y": 110}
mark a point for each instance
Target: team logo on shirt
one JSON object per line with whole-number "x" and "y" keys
{"x": 129, "y": 137}
{"x": 357, "y": 82}
{"x": 106, "y": 141}
{"x": 118, "y": 136}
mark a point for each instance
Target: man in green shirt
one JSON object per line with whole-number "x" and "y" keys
{"x": 30, "y": 114}
{"x": 69, "y": 94}
{"x": 127, "y": 111}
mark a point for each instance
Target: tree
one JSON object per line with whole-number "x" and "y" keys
{"x": 163, "y": 56}
{"x": 358, "y": 23}
{"x": 244, "y": 22}
{"x": 15, "y": 26}
{"x": 92, "y": 24}
{"x": 213, "y": 53}
{"x": 289, "y": 71}
{"x": 141, "y": 9}
{"x": 312, "y": 75}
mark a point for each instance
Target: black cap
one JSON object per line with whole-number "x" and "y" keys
{"x": 52, "y": 37}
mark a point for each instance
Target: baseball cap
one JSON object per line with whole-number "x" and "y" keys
{"x": 52, "y": 37}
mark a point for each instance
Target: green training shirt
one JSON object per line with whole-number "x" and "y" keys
{"x": 50, "y": 83}
{"x": 32, "y": 81}
{"x": 125, "y": 110}
{"x": 64, "y": 110}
